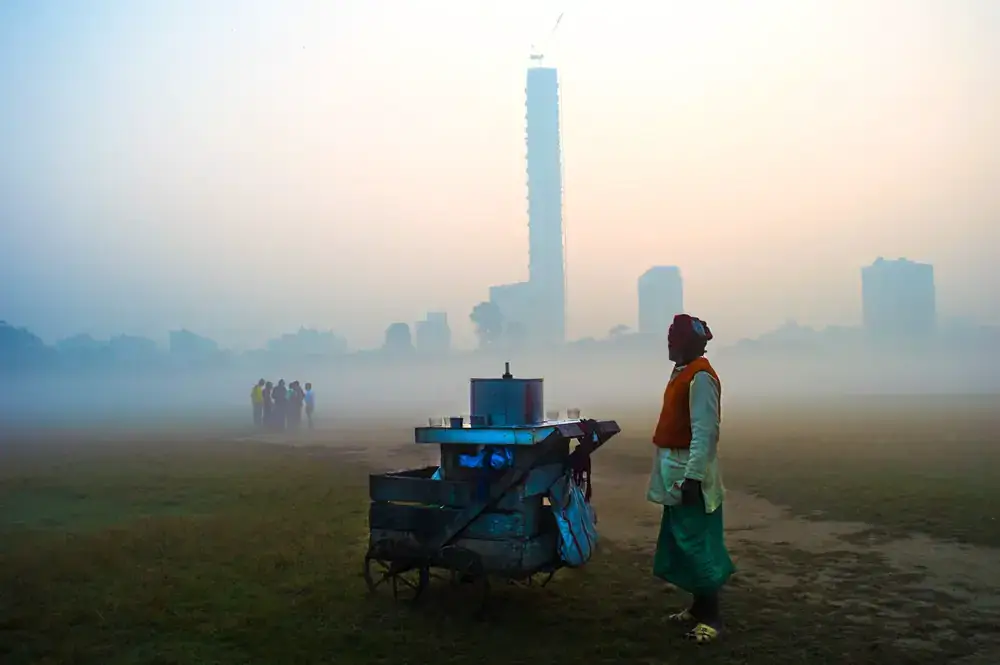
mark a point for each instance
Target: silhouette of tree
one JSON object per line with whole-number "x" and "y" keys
{"x": 488, "y": 319}
{"x": 618, "y": 331}
{"x": 398, "y": 338}
{"x": 22, "y": 349}
{"x": 515, "y": 334}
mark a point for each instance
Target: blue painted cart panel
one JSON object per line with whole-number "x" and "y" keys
{"x": 417, "y": 486}
{"x": 497, "y": 436}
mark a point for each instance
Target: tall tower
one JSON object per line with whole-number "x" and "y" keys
{"x": 546, "y": 262}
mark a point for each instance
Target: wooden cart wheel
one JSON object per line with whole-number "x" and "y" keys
{"x": 537, "y": 579}
{"x": 468, "y": 573}
{"x": 546, "y": 577}
{"x": 407, "y": 580}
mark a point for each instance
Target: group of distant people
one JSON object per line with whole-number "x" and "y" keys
{"x": 277, "y": 406}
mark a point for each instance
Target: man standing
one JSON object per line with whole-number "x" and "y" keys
{"x": 279, "y": 407}
{"x": 257, "y": 401}
{"x": 268, "y": 404}
{"x": 310, "y": 404}
{"x": 296, "y": 396}
{"x": 691, "y": 551}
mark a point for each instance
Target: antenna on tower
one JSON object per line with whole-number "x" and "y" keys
{"x": 537, "y": 54}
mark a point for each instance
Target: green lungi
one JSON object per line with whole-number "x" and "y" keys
{"x": 691, "y": 549}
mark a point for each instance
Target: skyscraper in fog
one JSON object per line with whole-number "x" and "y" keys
{"x": 661, "y": 296}
{"x": 898, "y": 299}
{"x": 538, "y": 305}
{"x": 546, "y": 263}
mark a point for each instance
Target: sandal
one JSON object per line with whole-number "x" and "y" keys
{"x": 702, "y": 634}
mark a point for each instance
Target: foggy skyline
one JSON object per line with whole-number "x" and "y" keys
{"x": 240, "y": 169}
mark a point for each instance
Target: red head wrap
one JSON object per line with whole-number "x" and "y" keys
{"x": 687, "y": 330}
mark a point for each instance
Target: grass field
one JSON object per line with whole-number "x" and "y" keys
{"x": 221, "y": 550}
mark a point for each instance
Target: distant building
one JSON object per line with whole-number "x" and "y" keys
{"x": 661, "y": 296}
{"x": 132, "y": 349}
{"x": 515, "y": 302}
{"x": 898, "y": 299}
{"x": 433, "y": 335}
{"x": 308, "y": 342}
{"x": 536, "y": 309}
{"x": 184, "y": 343}
{"x": 80, "y": 343}
{"x": 546, "y": 261}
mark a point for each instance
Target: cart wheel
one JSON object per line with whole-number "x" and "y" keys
{"x": 539, "y": 579}
{"x": 406, "y": 580}
{"x": 467, "y": 572}
{"x": 546, "y": 577}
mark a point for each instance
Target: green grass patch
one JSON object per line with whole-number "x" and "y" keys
{"x": 259, "y": 558}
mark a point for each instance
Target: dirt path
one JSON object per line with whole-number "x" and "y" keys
{"x": 949, "y": 590}
{"x": 750, "y": 519}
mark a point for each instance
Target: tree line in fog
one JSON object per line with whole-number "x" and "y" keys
{"x": 23, "y": 351}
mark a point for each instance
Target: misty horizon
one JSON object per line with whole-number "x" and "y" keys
{"x": 345, "y": 166}
{"x": 600, "y": 381}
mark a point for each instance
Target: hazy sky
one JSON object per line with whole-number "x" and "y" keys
{"x": 242, "y": 167}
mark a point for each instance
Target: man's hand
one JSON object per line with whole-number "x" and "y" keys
{"x": 691, "y": 492}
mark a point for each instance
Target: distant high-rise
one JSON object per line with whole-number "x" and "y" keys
{"x": 538, "y": 306}
{"x": 898, "y": 299}
{"x": 661, "y": 296}
{"x": 546, "y": 263}
{"x": 433, "y": 335}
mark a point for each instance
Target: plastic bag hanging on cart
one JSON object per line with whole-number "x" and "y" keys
{"x": 576, "y": 521}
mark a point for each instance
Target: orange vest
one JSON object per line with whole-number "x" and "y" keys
{"x": 673, "y": 430}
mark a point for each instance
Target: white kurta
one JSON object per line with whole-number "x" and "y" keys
{"x": 700, "y": 461}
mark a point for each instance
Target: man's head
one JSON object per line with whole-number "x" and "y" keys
{"x": 262, "y": 383}
{"x": 687, "y": 338}
{"x": 309, "y": 386}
